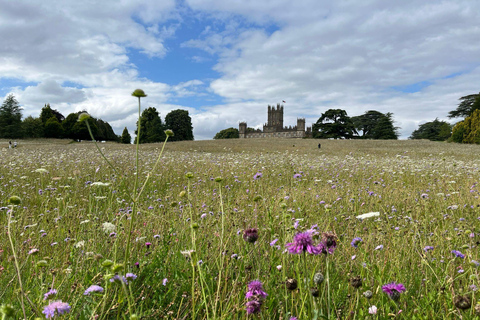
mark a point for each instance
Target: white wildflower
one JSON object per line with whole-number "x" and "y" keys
{"x": 368, "y": 215}
{"x": 100, "y": 184}
{"x": 108, "y": 227}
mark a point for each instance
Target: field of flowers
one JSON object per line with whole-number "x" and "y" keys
{"x": 236, "y": 229}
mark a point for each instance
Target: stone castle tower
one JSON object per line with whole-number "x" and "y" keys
{"x": 274, "y": 120}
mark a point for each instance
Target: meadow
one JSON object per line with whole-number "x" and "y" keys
{"x": 240, "y": 229}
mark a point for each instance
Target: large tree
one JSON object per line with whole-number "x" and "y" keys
{"x": 32, "y": 127}
{"x": 375, "y": 125}
{"x": 53, "y": 128}
{"x": 230, "y": 133}
{"x": 10, "y": 119}
{"x": 151, "y": 127}
{"x": 47, "y": 112}
{"x": 69, "y": 123}
{"x": 334, "y": 123}
{"x": 435, "y": 130}
{"x": 181, "y": 124}
{"x": 468, "y": 130}
{"x": 467, "y": 105}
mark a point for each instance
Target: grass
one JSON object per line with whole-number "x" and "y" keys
{"x": 187, "y": 248}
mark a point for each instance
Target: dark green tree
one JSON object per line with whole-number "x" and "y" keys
{"x": 151, "y": 127}
{"x": 10, "y": 119}
{"x": 334, "y": 123}
{"x": 126, "y": 137}
{"x": 181, "y": 124}
{"x": 467, "y": 105}
{"x": 468, "y": 130}
{"x": 230, "y": 133}
{"x": 53, "y": 128}
{"x": 47, "y": 112}
{"x": 80, "y": 130}
{"x": 32, "y": 127}
{"x": 68, "y": 125}
{"x": 434, "y": 130}
{"x": 384, "y": 129}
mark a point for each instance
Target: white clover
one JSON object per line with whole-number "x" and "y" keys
{"x": 80, "y": 244}
{"x": 368, "y": 215}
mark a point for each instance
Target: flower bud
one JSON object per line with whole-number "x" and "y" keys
{"x": 291, "y": 284}
{"x": 83, "y": 116}
{"x": 15, "y": 200}
{"x": 169, "y": 133}
{"x": 107, "y": 263}
{"x": 318, "y": 278}
{"x": 139, "y": 93}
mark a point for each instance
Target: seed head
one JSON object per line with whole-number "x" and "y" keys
{"x": 356, "y": 282}
{"x": 368, "y": 294}
{"x": 250, "y": 235}
{"x": 462, "y": 302}
{"x": 15, "y": 200}
{"x": 83, "y": 116}
{"x": 169, "y": 133}
{"x": 318, "y": 278}
{"x": 291, "y": 284}
{"x": 139, "y": 93}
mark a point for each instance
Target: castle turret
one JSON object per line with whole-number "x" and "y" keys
{"x": 242, "y": 130}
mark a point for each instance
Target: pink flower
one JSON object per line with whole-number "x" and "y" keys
{"x": 303, "y": 242}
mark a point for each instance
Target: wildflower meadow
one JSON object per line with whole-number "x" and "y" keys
{"x": 236, "y": 229}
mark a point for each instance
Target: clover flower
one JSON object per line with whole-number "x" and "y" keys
{"x": 393, "y": 290}
{"x": 56, "y": 306}
{"x": 93, "y": 288}
{"x": 428, "y": 248}
{"x": 302, "y": 242}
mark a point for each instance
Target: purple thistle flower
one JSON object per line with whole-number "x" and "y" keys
{"x": 356, "y": 241}
{"x": 49, "y": 294}
{"x": 302, "y": 242}
{"x": 257, "y": 175}
{"x": 253, "y": 306}
{"x": 393, "y": 290}
{"x": 428, "y": 248}
{"x": 148, "y": 244}
{"x": 255, "y": 288}
{"x": 458, "y": 254}
{"x": 328, "y": 243}
{"x": 93, "y": 288}
{"x": 58, "y": 306}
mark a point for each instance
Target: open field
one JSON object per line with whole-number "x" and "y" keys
{"x": 181, "y": 245}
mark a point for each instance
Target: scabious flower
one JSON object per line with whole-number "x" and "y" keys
{"x": 257, "y": 175}
{"x": 56, "y": 306}
{"x": 130, "y": 276}
{"x": 250, "y": 235}
{"x": 119, "y": 279}
{"x": 380, "y": 247}
{"x": 393, "y": 290}
{"x": 302, "y": 242}
{"x": 428, "y": 248}
{"x": 458, "y": 254}
{"x": 49, "y": 294}
{"x": 93, "y": 288}
{"x": 255, "y": 296}
{"x": 355, "y": 242}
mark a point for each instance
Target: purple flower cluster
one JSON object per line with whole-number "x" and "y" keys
{"x": 255, "y": 296}
{"x": 94, "y": 288}
{"x": 250, "y": 235}
{"x": 356, "y": 241}
{"x": 58, "y": 306}
{"x": 49, "y": 294}
{"x": 303, "y": 242}
{"x": 458, "y": 254}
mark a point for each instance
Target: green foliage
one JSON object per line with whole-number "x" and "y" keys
{"x": 375, "y": 125}
{"x": 10, "y": 119}
{"x": 151, "y": 127}
{"x": 467, "y": 105}
{"x": 47, "y": 112}
{"x": 468, "y": 130}
{"x": 434, "y": 130}
{"x": 458, "y": 132}
{"x": 126, "y": 137}
{"x": 32, "y": 127}
{"x": 334, "y": 123}
{"x": 69, "y": 123}
{"x": 181, "y": 124}
{"x": 230, "y": 133}
{"x": 80, "y": 130}
{"x": 53, "y": 128}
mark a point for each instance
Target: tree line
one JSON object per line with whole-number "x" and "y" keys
{"x": 52, "y": 124}
{"x": 336, "y": 124}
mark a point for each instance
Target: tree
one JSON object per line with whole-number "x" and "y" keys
{"x": 47, "y": 112}
{"x": 384, "y": 129}
{"x": 53, "y": 128}
{"x": 468, "y": 130}
{"x": 434, "y": 130}
{"x": 334, "y": 123}
{"x": 126, "y": 137}
{"x": 467, "y": 105}
{"x": 32, "y": 127}
{"x": 151, "y": 127}
{"x": 230, "y": 133}
{"x": 181, "y": 124}
{"x": 10, "y": 118}
{"x": 80, "y": 130}
{"x": 68, "y": 125}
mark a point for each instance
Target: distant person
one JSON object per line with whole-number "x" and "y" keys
{"x": 9, "y": 144}
{"x": 319, "y": 146}
{"x": 15, "y": 144}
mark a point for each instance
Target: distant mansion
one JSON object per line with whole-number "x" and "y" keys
{"x": 274, "y": 127}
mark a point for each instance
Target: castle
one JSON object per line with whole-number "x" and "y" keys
{"x": 274, "y": 127}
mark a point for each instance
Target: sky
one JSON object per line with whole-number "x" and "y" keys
{"x": 226, "y": 61}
